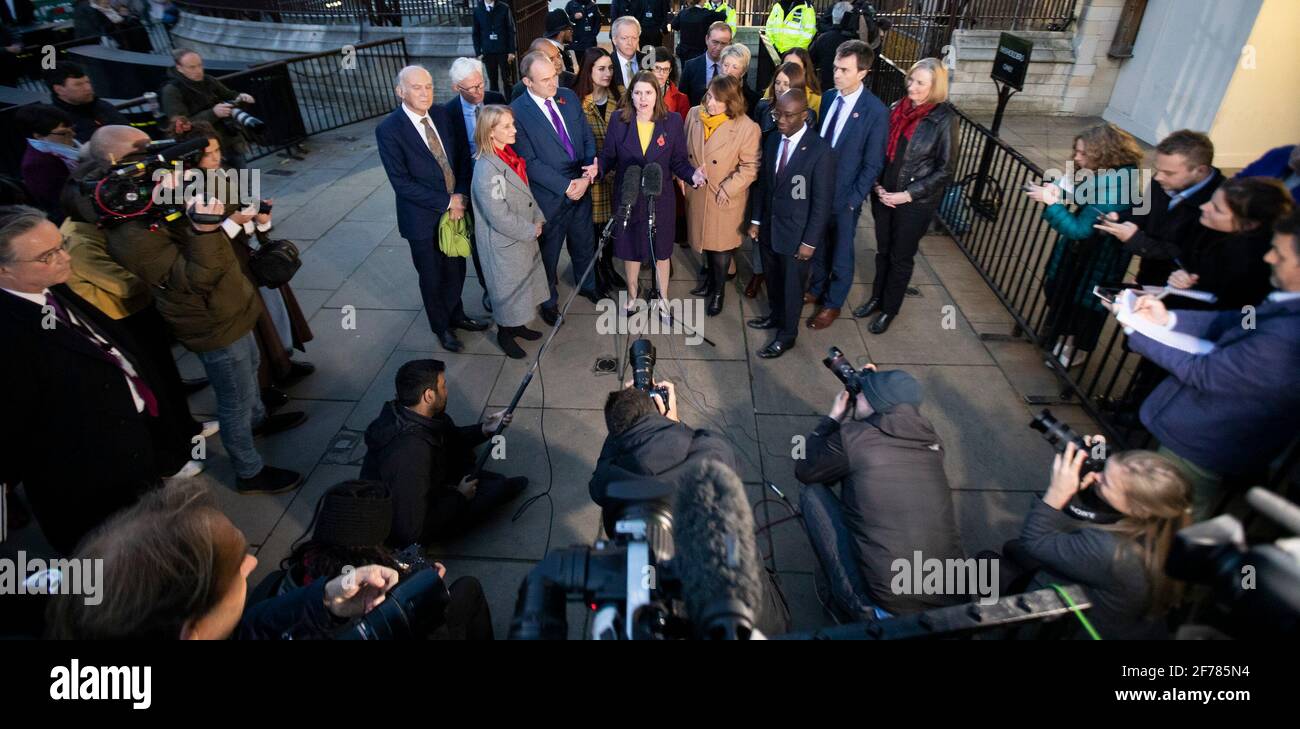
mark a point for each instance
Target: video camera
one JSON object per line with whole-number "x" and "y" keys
{"x": 415, "y": 604}
{"x": 126, "y": 191}
{"x": 1087, "y": 505}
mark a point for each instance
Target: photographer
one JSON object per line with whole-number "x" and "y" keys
{"x": 1122, "y": 564}
{"x": 894, "y": 496}
{"x": 209, "y": 306}
{"x": 180, "y": 526}
{"x": 196, "y": 96}
{"x": 647, "y": 439}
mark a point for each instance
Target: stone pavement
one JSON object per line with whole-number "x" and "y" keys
{"x": 338, "y": 207}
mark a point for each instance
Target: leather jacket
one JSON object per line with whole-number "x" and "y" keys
{"x": 931, "y": 155}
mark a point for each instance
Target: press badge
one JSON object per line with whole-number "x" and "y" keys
{"x": 492, "y": 36}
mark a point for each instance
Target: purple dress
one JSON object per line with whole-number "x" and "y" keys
{"x": 668, "y": 148}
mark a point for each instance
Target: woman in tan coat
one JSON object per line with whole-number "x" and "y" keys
{"x": 723, "y": 141}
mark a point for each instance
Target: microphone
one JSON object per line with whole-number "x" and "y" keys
{"x": 168, "y": 153}
{"x": 652, "y": 180}
{"x": 631, "y": 188}
{"x": 716, "y": 553}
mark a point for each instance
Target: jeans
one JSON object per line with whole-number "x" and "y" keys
{"x": 833, "y": 544}
{"x": 232, "y": 372}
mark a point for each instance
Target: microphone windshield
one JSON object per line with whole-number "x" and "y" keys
{"x": 716, "y": 552}
{"x": 652, "y": 179}
{"x": 631, "y": 185}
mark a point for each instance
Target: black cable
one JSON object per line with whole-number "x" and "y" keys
{"x": 550, "y": 472}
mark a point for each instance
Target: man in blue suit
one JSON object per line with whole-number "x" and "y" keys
{"x": 790, "y": 209}
{"x": 467, "y": 80}
{"x": 856, "y": 125}
{"x": 699, "y": 71}
{"x": 429, "y": 171}
{"x": 556, "y": 142}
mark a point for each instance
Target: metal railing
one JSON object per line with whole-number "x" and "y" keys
{"x": 920, "y": 15}
{"x": 150, "y": 37}
{"x": 393, "y": 13}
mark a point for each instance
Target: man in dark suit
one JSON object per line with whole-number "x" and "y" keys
{"x": 699, "y": 71}
{"x": 429, "y": 172}
{"x": 791, "y": 209}
{"x": 552, "y": 51}
{"x": 586, "y": 19}
{"x": 556, "y": 142}
{"x": 625, "y": 36}
{"x": 77, "y": 400}
{"x": 855, "y": 124}
{"x": 494, "y": 41}
{"x": 462, "y": 113}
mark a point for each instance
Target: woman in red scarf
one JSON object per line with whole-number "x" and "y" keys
{"x": 920, "y": 156}
{"x": 507, "y": 222}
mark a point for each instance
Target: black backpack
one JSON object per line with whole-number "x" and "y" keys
{"x": 274, "y": 262}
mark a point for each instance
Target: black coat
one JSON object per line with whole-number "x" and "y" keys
{"x": 692, "y": 28}
{"x": 420, "y": 460}
{"x": 70, "y": 431}
{"x": 586, "y": 28}
{"x": 493, "y": 32}
{"x": 1230, "y": 266}
{"x": 89, "y": 117}
{"x": 795, "y": 207}
{"x": 895, "y": 495}
{"x": 822, "y": 52}
{"x": 659, "y": 448}
{"x": 1162, "y": 232}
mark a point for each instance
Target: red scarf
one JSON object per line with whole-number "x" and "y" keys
{"x": 902, "y": 122}
{"x": 514, "y": 161}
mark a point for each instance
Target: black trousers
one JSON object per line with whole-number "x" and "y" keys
{"x": 496, "y": 63}
{"x": 494, "y": 490}
{"x": 785, "y": 280}
{"x": 175, "y": 425}
{"x": 898, "y": 235}
{"x": 442, "y": 279}
{"x": 466, "y": 616}
{"x": 572, "y": 223}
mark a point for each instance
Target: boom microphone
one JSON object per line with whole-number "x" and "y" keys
{"x": 716, "y": 554}
{"x": 652, "y": 180}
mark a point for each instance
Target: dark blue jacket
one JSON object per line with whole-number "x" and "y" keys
{"x": 794, "y": 207}
{"x": 422, "y": 195}
{"x": 549, "y": 166}
{"x": 493, "y": 32}
{"x": 860, "y": 154}
{"x": 1233, "y": 410}
{"x": 1274, "y": 163}
{"x": 456, "y": 120}
{"x": 586, "y": 28}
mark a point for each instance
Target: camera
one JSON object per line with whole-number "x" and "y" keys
{"x": 126, "y": 190}
{"x": 242, "y": 119}
{"x": 843, "y": 370}
{"x": 1087, "y": 505}
{"x": 628, "y": 580}
{"x": 642, "y": 356}
{"x": 415, "y": 604}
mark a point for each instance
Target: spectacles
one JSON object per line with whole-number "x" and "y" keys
{"x": 473, "y": 89}
{"x": 47, "y": 257}
{"x": 778, "y": 116}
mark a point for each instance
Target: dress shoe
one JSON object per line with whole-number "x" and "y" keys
{"x": 273, "y": 398}
{"x": 279, "y": 423}
{"x": 297, "y": 371}
{"x": 524, "y": 332}
{"x": 755, "y": 283}
{"x": 867, "y": 309}
{"x": 506, "y": 339}
{"x": 773, "y": 350}
{"x": 194, "y": 385}
{"x": 270, "y": 480}
{"x": 450, "y": 342}
{"x": 714, "y": 306}
{"x": 762, "y": 322}
{"x": 487, "y": 303}
{"x": 824, "y": 318}
{"x": 470, "y": 325}
{"x": 808, "y": 298}
{"x": 881, "y": 323}
{"x": 550, "y": 314}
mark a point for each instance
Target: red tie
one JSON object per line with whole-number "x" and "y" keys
{"x": 785, "y": 154}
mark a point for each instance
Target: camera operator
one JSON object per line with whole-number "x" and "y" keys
{"x": 647, "y": 439}
{"x": 180, "y": 525}
{"x": 197, "y": 96}
{"x": 894, "y": 496}
{"x": 209, "y": 306}
{"x": 1121, "y": 565}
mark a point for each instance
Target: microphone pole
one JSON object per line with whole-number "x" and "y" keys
{"x": 631, "y": 186}
{"x": 652, "y": 184}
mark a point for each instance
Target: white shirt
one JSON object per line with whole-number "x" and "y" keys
{"x": 418, "y": 122}
{"x": 39, "y": 299}
{"x": 546, "y": 113}
{"x": 1278, "y": 297}
{"x": 849, "y": 102}
{"x": 233, "y": 229}
{"x": 791, "y": 143}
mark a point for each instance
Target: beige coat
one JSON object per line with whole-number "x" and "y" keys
{"x": 730, "y": 159}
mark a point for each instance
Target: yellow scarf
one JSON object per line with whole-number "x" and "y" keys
{"x": 711, "y": 123}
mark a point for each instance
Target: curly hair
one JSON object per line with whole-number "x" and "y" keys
{"x": 1109, "y": 147}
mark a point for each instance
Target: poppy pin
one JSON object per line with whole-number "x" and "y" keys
{"x": 560, "y": 100}
{"x": 660, "y": 140}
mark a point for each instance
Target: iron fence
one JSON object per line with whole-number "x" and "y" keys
{"x": 393, "y": 13}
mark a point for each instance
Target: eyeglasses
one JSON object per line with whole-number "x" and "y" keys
{"x": 47, "y": 257}
{"x": 778, "y": 116}
{"x": 473, "y": 89}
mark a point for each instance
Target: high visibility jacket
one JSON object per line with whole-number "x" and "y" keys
{"x": 792, "y": 30}
{"x": 723, "y": 7}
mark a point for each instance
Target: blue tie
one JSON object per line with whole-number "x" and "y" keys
{"x": 829, "y": 132}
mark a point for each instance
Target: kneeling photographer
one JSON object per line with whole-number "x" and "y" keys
{"x": 1117, "y": 550}
{"x": 894, "y": 496}
{"x": 646, "y": 436}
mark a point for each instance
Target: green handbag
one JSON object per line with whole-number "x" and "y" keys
{"x": 453, "y": 236}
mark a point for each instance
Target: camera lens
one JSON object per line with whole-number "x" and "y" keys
{"x": 642, "y": 354}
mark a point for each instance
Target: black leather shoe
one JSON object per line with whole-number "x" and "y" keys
{"x": 762, "y": 322}
{"x": 550, "y": 314}
{"x": 279, "y": 423}
{"x": 194, "y": 385}
{"x": 270, "y": 480}
{"x": 450, "y": 342}
{"x": 470, "y": 325}
{"x": 715, "y": 305}
{"x": 705, "y": 287}
{"x": 881, "y": 323}
{"x": 274, "y": 398}
{"x": 773, "y": 350}
{"x": 487, "y": 303}
{"x": 867, "y": 309}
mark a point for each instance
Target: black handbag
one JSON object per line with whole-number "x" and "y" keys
{"x": 274, "y": 262}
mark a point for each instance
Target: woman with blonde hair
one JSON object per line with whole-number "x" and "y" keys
{"x": 920, "y": 157}
{"x": 507, "y": 222}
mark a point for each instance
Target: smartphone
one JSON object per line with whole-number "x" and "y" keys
{"x": 1110, "y": 292}
{"x": 264, "y": 208}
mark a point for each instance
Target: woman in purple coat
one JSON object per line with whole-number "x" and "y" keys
{"x": 643, "y": 132}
